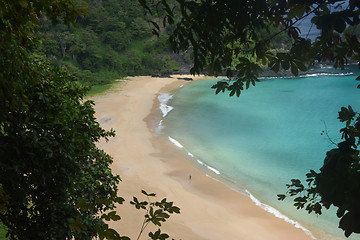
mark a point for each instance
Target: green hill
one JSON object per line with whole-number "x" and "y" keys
{"x": 113, "y": 40}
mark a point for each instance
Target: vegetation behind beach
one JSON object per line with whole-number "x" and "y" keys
{"x": 112, "y": 41}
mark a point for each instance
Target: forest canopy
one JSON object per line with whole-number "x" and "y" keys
{"x": 112, "y": 40}
{"x": 55, "y": 183}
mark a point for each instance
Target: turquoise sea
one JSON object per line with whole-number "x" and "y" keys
{"x": 269, "y": 135}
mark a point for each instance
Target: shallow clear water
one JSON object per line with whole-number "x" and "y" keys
{"x": 269, "y": 135}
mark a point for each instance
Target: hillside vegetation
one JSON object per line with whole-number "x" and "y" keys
{"x": 113, "y": 40}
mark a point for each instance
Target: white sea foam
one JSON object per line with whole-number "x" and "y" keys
{"x": 176, "y": 143}
{"x": 326, "y": 74}
{"x": 213, "y": 169}
{"x": 312, "y": 75}
{"x": 163, "y": 99}
{"x": 209, "y": 167}
{"x": 276, "y": 213}
{"x": 322, "y": 66}
{"x": 160, "y": 126}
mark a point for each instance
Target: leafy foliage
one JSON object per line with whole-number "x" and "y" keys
{"x": 53, "y": 178}
{"x": 214, "y": 29}
{"x": 157, "y": 212}
{"x": 54, "y": 181}
{"x": 337, "y": 183}
{"x": 112, "y": 40}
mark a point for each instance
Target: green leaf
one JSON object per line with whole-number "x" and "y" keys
{"x": 144, "y": 5}
{"x": 317, "y": 208}
{"x": 294, "y": 69}
{"x": 281, "y": 197}
{"x": 148, "y": 194}
{"x": 158, "y": 235}
{"x": 113, "y": 216}
{"x": 346, "y": 114}
{"x": 154, "y": 32}
{"x": 339, "y": 25}
{"x": 119, "y": 200}
{"x": 124, "y": 238}
{"x": 285, "y": 64}
{"x": 175, "y": 209}
{"x": 301, "y": 66}
{"x": 111, "y": 234}
{"x": 276, "y": 67}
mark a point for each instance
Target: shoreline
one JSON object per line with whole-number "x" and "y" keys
{"x": 145, "y": 160}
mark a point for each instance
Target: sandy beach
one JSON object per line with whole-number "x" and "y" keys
{"x": 147, "y": 160}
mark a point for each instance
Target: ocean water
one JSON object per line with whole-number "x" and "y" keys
{"x": 271, "y": 134}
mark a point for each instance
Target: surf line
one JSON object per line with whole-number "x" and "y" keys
{"x": 179, "y": 145}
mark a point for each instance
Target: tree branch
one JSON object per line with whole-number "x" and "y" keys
{"x": 292, "y": 24}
